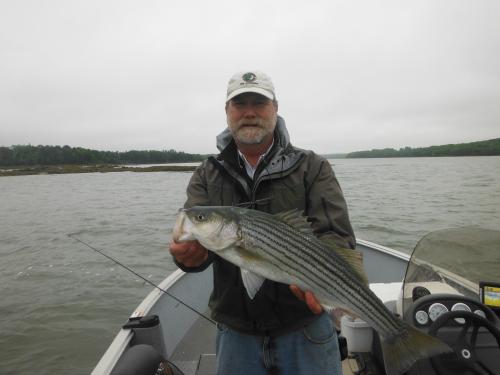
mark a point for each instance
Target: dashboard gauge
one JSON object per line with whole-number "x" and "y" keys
{"x": 460, "y": 307}
{"x": 480, "y": 313}
{"x": 436, "y": 310}
{"x": 421, "y": 317}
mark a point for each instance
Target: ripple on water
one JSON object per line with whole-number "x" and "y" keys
{"x": 62, "y": 303}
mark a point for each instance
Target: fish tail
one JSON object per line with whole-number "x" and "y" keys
{"x": 403, "y": 350}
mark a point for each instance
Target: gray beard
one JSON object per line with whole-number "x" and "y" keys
{"x": 253, "y": 140}
{"x": 257, "y": 136}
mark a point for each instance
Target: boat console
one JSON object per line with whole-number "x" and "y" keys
{"x": 451, "y": 291}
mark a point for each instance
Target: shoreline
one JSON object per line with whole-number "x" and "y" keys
{"x": 98, "y": 168}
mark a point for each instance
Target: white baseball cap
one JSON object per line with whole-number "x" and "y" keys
{"x": 250, "y": 81}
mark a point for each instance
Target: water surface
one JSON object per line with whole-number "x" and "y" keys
{"x": 61, "y": 304}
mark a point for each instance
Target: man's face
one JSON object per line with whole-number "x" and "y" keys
{"x": 251, "y": 118}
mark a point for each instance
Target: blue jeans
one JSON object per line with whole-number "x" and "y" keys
{"x": 312, "y": 350}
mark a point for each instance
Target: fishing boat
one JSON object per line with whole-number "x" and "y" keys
{"x": 449, "y": 287}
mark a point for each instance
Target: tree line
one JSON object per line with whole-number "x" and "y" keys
{"x": 482, "y": 148}
{"x": 53, "y": 155}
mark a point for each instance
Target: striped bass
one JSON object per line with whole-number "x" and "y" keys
{"x": 284, "y": 249}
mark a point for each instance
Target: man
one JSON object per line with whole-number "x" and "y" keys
{"x": 258, "y": 168}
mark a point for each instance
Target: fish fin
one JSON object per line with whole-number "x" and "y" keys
{"x": 252, "y": 282}
{"x": 326, "y": 303}
{"x": 402, "y": 351}
{"x": 295, "y": 219}
{"x": 328, "y": 308}
{"x": 353, "y": 257}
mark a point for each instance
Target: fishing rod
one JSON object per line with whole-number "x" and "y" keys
{"x": 72, "y": 236}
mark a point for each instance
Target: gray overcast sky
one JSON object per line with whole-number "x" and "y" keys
{"x": 349, "y": 75}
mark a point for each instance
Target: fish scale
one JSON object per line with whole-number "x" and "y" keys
{"x": 289, "y": 235}
{"x": 281, "y": 248}
{"x": 259, "y": 241}
{"x": 307, "y": 248}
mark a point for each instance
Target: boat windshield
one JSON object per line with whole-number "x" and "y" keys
{"x": 455, "y": 261}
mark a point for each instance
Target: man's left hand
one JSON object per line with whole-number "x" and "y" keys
{"x": 309, "y": 298}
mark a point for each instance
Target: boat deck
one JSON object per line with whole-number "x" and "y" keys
{"x": 199, "y": 339}
{"x": 188, "y": 359}
{"x": 195, "y": 353}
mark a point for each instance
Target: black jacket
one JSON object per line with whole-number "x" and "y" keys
{"x": 287, "y": 178}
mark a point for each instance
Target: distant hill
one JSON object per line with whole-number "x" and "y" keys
{"x": 482, "y": 148}
{"x": 56, "y": 155}
{"x": 334, "y": 156}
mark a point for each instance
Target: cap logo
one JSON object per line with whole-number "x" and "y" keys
{"x": 249, "y": 77}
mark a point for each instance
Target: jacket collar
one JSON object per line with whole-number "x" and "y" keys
{"x": 280, "y": 161}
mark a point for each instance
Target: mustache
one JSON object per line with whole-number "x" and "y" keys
{"x": 250, "y": 122}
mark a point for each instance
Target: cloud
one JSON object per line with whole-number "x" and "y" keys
{"x": 124, "y": 75}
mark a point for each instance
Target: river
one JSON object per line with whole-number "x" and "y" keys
{"x": 61, "y": 304}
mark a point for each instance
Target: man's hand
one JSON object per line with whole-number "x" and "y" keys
{"x": 309, "y": 298}
{"x": 190, "y": 253}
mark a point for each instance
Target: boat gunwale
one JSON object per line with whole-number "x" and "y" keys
{"x": 122, "y": 340}
{"x": 384, "y": 249}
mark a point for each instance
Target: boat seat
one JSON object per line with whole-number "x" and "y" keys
{"x": 143, "y": 359}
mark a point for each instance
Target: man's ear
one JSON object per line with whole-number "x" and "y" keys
{"x": 225, "y": 107}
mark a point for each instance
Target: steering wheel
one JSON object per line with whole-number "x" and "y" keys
{"x": 464, "y": 356}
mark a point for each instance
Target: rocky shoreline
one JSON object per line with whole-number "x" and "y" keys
{"x": 99, "y": 168}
